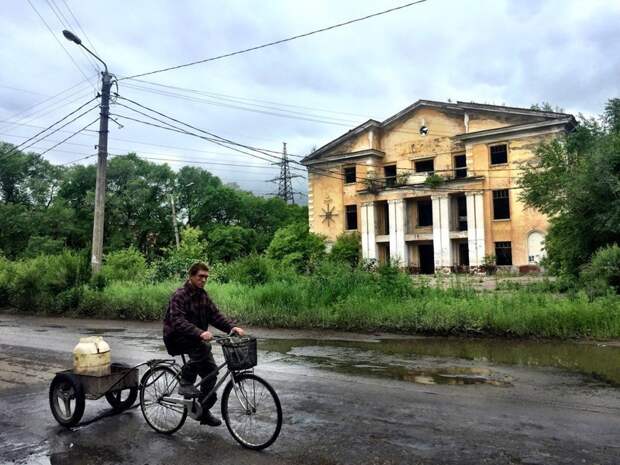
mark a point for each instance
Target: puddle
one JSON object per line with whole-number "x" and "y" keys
{"x": 103, "y": 330}
{"x": 441, "y": 360}
{"x": 41, "y": 330}
{"x": 54, "y": 326}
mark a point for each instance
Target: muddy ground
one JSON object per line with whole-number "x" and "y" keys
{"x": 347, "y": 399}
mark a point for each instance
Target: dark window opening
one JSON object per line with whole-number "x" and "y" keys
{"x": 351, "y": 215}
{"x": 501, "y": 205}
{"x": 460, "y": 166}
{"x": 389, "y": 172}
{"x": 425, "y": 166}
{"x": 349, "y": 175}
{"x": 461, "y": 205}
{"x": 425, "y": 213}
{"x": 463, "y": 254}
{"x": 499, "y": 154}
{"x": 503, "y": 253}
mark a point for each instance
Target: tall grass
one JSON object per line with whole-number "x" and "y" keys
{"x": 334, "y": 296}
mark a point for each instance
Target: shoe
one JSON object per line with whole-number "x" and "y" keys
{"x": 188, "y": 391}
{"x": 208, "y": 419}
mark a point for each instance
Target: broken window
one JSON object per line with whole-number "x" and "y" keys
{"x": 389, "y": 172}
{"x": 351, "y": 216}
{"x": 460, "y": 166}
{"x": 503, "y": 253}
{"x": 349, "y": 175}
{"x": 424, "y": 166}
{"x": 499, "y": 154}
{"x": 501, "y": 205}
{"x": 425, "y": 213}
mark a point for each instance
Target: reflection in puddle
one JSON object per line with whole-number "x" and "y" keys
{"x": 449, "y": 360}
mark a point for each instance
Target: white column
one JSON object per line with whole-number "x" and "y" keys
{"x": 475, "y": 227}
{"x": 441, "y": 231}
{"x": 369, "y": 239}
{"x": 398, "y": 246}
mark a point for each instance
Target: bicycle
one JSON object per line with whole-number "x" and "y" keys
{"x": 253, "y": 414}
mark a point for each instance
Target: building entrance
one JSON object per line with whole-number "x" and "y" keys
{"x": 427, "y": 259}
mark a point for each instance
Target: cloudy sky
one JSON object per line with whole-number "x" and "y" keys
{"x": 304, "y": 92}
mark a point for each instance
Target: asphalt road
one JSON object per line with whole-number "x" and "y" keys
{"x": 539, "y": 416}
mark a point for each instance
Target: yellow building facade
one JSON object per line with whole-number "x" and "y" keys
{"x": 435, "y": 187}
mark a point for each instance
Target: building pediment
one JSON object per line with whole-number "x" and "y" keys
{"x": 368, "y": 133}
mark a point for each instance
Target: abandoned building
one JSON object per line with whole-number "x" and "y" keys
{"x": 435, "y": 186}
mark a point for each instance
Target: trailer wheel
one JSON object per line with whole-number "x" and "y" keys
{"x": 67, "y": 399}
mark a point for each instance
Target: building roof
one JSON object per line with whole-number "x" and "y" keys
{"x": 458, "y": 107}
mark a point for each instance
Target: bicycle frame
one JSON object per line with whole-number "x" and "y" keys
{"x": 194, "y": 406}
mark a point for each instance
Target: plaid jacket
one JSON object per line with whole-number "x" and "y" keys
{"x": 190, "y": 312}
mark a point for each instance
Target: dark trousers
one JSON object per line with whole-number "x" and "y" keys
{"x": 201, "y": 363}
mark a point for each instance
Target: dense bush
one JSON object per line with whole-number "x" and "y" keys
{"x": 297, "y": 247}
{"x": 347, "y": 249}
{"x": 125, "y": 265}
{"x": 177, "y": 261}
{"x": 602, "y": 274}
{"x": 228, "y": 243}
{"x": 46, "y": 282}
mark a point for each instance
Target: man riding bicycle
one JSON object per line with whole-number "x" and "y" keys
{"x": 186, "y": 325}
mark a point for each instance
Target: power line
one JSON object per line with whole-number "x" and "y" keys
{"x": 69, "y": 137}
{"x": 66, "y": 25}
{"x": 80, "y": 27}
{"x": 17, "y": 147}
{"x": 29, "y": 113}
{"x": 238, "y": 98}
{"x": 281, "y": 41}
{"x": 59, "y": 42}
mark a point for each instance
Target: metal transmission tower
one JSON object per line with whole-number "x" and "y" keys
{"x": 285, "y": 184}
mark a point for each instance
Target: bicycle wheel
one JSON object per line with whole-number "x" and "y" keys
{"x": 123, "y": 399}
{"x": 67, "y": 399}
{"x": 162, "y": 416}
{"x": 252, "y": 411}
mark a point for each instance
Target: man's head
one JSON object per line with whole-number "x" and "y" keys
{"x": 198, "y": 274}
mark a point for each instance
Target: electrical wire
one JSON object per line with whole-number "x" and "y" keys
{"x": 30, "y": 112}
{"x": 21, "y": 146}
{"x": 66, "y": 25}
{"x": 269, "y": 44}
{"x": 60, "y": 43}
{"x": 69, "y": 137}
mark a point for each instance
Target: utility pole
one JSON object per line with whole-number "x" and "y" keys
{"x": 285, "y": 185}
{"x": 174, "y": 221}
{"x": 102, "y": 158}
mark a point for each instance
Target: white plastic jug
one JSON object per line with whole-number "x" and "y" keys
{"x": 91, "y": 357}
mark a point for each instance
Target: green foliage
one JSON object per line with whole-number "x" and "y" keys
{"x": 46, "y": 283}
{"x": 347, "y": 249}
{"x": 434, "y": 180}
{"x": 252, "y": 270}
{"x": 602, "y": 274}
{"x": 177, "y": 261}
{"x": 576, "y": 183}
{"x": 297, "y": 247}
{"x": 227, "y": 243}
{"x": 125, "y": 265}
{"x": 546, "y": 106}
{"x": 38, "y": 245}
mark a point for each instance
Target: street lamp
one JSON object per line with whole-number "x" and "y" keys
{"x": 102, "y": 156}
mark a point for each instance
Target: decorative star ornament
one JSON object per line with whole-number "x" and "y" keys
{"x": 328, "y": 212}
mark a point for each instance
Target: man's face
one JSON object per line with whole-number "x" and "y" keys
{"x": 199, "y": 279}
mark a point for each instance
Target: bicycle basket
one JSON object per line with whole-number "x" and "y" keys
{"x": 240, "y": 355}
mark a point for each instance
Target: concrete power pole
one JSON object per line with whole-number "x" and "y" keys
{"x": 102, "y": 165}
{"x": 102, "y": 159}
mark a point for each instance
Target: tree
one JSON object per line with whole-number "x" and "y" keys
{"x": 228, "y": 243}
{"x": 295, "y": 245}
{"x": 347, "y": 249}
{"x": 576, "y": 182}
